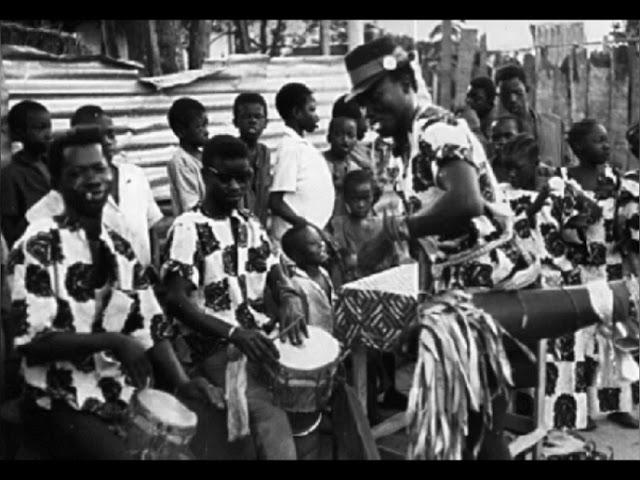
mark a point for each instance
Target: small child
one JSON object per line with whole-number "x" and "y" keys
{"x": 250, "y": 118}
{"x": 304, "y": 245}
{"x": 26, "y": 179}
{"x": 358, "y": 225}
{"x": 350, "y": 232}
{"x": 188, "y": 120}
{"x": 342, "y": 137}
{"x": 302, "y": 189}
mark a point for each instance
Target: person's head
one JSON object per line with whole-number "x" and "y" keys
{"x": 250, "y": 116}
{"x": 589, "y": 141}
{"x": 305, "y": 246}
{"x": 30, "y": 123}
{"x": 503, "y": 129}
{"x": 513, "y": 88}
{"x": 521, "y": 157}
{"x": 359, "y": 191}
{"x": 481, "y": 95}
{"x": 226, "y": 170}
{"x": 350, "y": 109}
{"x": 188, "y": 120}
{"x": 80, "y": 171}
{"x": 94, "y": 115}
{"x": 342, "y": 136}
{"x": 297, "y": 106}
{"x": 632, "y": 138}
{"x": 384, "y": 83}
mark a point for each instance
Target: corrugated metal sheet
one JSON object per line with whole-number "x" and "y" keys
{"x": 141, "y": 105}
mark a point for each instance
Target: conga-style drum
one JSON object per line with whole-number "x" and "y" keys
{"x": 303, "y": 382}
{"x": 159, "y": 426}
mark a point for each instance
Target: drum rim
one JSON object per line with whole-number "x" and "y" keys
{"x": 152, "y": 417}
{"x": 328, "y": 335}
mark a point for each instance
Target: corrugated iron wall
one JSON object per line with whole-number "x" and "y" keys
{"x": 63, "y": 86}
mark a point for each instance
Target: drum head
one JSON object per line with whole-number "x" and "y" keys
{"x": 320, "y": 349}
{"x": 166, "y": 408}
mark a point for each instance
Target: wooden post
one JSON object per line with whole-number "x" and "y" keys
{"x": 464, "y": 68}
{"x": 325, "y": 37}
{"x": 153, "y": 52}
{"x": 5, "y": 143}
{"x": 199, "y": 33}
{"x": 445, "y": 66}
{"x": 355, "y": 33}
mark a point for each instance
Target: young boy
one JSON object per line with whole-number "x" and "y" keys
{"x": 358, "y": 225}
{"x": 350, "y": 231}
{"x": 503, "y": 129}
{"x": 131, "y": 199}
{"x": 342, "y": 137}
{"x": 188, "y": 120}
{"x": 305, "y": 246}
{"x": 26, "y": 179}
{"x": 302, "y": 190}
{"x": 250, "y": 118}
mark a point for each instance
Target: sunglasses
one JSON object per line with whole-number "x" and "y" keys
{"x": 240, "y": 177}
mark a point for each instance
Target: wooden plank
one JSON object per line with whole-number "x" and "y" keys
{"x": 5, "y": 144}
{"x": 351, "y": 431}
{"x": 481, "y": 69}
{"x": 544, "y": 82}
{"x": 619, "y": 113}
{"x": 359, "y": 356}
{"x": 599, "y": 89}
{"x": 529, "y": 66}
{"x": 466, "y": 53}
{"x": 634, "y": 82}
{"x": 540, "y": 395}
{"x": 445, "y": 66}
{"x": 579, "y": 84}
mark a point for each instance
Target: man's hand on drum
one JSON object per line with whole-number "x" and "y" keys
{"x": 255, "y": 345}
{"x": 133, "y": 356}
{"x": 293, "y": 320}
{"x": 200, "y": 389}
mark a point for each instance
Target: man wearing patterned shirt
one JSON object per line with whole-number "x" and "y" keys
{"x": 219, "y": 264}
{"x": 87, "y": 322}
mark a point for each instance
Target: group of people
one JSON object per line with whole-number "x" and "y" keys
{"x": 261, "y": 243}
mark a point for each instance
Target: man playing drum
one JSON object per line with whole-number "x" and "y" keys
{"x": 458, "y": 215}
{"x": 86, "y": 317}
{"x": 219, "y": 265}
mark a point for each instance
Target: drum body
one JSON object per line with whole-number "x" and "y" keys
{"x": 303, "y": 381}
{"x": 159, "y": 426}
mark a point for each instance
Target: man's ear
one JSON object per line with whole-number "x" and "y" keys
{"x": 235, "y": 122}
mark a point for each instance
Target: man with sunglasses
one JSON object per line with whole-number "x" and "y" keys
{"x": 224, "y": 283}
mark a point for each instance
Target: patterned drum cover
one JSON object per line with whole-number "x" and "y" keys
{"x": 374, "y": 310}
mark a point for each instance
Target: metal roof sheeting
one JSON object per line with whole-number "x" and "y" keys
{"x": 139, "y": 106}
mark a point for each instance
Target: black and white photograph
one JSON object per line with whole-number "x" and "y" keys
{"x": 319, "y": 239}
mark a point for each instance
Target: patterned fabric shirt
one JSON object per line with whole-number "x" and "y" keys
{"x": 56, "y": 286}
{"x": 226, "y": 260}
{"x": 628, "y": 208}
{"x": 486, "y": 254}
{"x": 592, "y": 250}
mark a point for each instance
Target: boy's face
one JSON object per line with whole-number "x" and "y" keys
{"x": 228, "y": 181}
{"x": 312, "y": 248}
{"x": 359, "y": 200}
{"x": 109, "y": 142}
{"x": 196, "y": 132}
{"x": 478, "y": 101}
{"x": 85, "y": 179}
{"x": 343, "y": 136}
{"x": 250, "y": 121}
{"x": 306, "y": 116}
{"x": 37, "y": 134}
{"x": 594, "y": 147}
{"x": 521, "y": 172}
{"x": 513, "y": 95}
{"x": 501, "y": 132}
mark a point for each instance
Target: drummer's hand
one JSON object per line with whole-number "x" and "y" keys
{"x": 292, "y": 312}
{"x": 134, "y": 359}
{"x": 255, "y": 345}
{"x": 200, "y": 389}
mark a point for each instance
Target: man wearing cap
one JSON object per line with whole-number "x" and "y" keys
{"x": 456, "y": 212}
